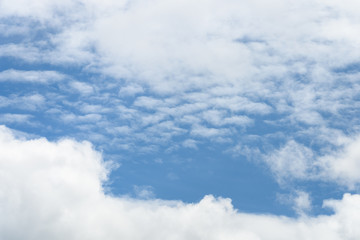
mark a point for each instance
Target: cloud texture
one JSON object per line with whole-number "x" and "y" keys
{"x": 54, "y": 190}
{"x": 201, "y": 71}
{"x": 277, "y": 82}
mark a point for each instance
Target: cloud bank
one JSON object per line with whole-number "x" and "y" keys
{"x": 54, "y": 190}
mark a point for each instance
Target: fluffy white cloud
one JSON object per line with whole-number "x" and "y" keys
{"x": 292, "y": 161}
{"x": 341, "y": 165}
{"x": 53, "y": 190}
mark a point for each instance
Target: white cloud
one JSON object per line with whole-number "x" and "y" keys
{"x": 202, "y": 131}
{"x": 21, "y": 51}
{"x": 148, "y": 102}
{"x": 27, "y": 102}
{"x": 31, "y": 76}
{"x": 144, "y": 192}
{"x": 292, "y": 161}
{"x": 238, "y": 120}
{"x": 70, "y": 117}
{"x": 82, "y": 87}
{"x": 14, "y": 118}
{"x": 302, "y": 202}
{"x": 131, "y": 90}
{"x": 53, "y": 190}
{"x": 299, "y": 200}
{"x": 219, "y": 118}
{"x": 122, "y": 130}
{"x": 190, "y": 143}
{"x": 93, "y": 108}
{"x": 343, "y": 166}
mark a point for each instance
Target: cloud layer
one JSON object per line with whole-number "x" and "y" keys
{"x": 194, "y": 66}
{"x": 277, "y": 82}
{"x": 54, "y": 190}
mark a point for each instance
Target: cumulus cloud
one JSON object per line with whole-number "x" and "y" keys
{"x": 292, "y": 161}
{"x": 54, "y": 190}
{"x": 341, "y": 165}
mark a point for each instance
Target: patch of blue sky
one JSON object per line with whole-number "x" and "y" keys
{"x": 351, "y": 68}
{"x": 13, "y": 39}
{"x": 191, "y": 174}
{"x": 248, "y": 39}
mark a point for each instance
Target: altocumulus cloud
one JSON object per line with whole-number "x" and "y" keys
{"x": 53, "y": 190}
{"x": 208, "y": 70}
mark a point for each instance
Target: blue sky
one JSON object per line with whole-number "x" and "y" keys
{"x": 256, "y": 102}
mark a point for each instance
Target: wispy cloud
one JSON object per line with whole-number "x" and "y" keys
{"x": 13, "y": 75}
{"x": 26, "y": 102}
{"x": 14, "y": 118}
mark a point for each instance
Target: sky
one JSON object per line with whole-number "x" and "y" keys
{"x": 182, "y": 119}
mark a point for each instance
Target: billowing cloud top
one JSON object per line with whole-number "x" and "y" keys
{"x": 53, "y": 190}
